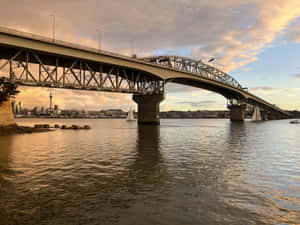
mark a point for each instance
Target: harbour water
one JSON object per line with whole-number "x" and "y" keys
{"x": 181, "y": 172}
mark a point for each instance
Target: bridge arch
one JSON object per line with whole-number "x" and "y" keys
{"x": 197, "y": 68}
{"x": 198, "y": 74}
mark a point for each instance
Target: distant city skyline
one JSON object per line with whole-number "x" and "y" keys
{"x": 256, "y": 42}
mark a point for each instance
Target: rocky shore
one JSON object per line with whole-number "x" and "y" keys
{"x": 15, "y": 129}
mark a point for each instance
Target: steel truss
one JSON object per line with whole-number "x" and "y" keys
{"x": 195, "y": 67}
{"x": 37, "y": 69}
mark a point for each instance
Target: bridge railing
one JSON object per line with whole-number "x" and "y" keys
{"x": 57, "y": 41}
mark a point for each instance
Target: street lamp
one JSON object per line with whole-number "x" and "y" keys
{"x": 99, "y": 39}
{"x": 132, "y": 47}
{"x": 53, "y": 27}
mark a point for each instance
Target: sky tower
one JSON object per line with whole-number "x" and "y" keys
{"x": 50, "y": 101}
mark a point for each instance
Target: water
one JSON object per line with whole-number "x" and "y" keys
{"x": 183, "y": 172}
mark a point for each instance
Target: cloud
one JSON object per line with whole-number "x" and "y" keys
{"x": 239, "y": 46}
{"x": 71, "y": 99}
{"x": 230, "y": 30}
{"x": 263, "y": 88}
{"x": 234, "y": 32}
{"x": 293, "y": 33}
{"x": 292, "y": 92}
{"x": 296, "y": 76}
{"x": 198, "y": 103}
{"x": 179, "y": 88}
{"x": 280, "y": 92}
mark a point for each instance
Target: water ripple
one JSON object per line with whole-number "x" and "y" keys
{"x": 183, "y": 172}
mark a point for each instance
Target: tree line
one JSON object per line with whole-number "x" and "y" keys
{"x": 7, "y": 89}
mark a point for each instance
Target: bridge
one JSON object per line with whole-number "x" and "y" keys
{"x": 38, "y": 61}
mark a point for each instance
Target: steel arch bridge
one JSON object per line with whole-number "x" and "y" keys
{"x": 196, "y": 67}
{"x": 33, "y": 60}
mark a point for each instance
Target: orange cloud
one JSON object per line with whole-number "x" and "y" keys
{"x": 234, "y": 32}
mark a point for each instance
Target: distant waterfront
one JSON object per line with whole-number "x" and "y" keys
{"x": 120, "y": 114}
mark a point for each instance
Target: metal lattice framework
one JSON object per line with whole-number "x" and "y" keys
{"x": 37, "y": 69}
{"x": 195, "y": 67}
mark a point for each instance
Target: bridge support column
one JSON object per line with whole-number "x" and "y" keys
{"x": 6, "y": 114}
{"x": 148, "y": 108}
{"x": 237, "y": 112}
{"x": 264, "y": 115}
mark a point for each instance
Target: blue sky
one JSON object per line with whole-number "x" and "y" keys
{"x": 255, "y": 41}
{"x": 272, "y": 76}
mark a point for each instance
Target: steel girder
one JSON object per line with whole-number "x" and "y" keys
{"x": 195, "y": 67}
{"x": 37, "y": 69}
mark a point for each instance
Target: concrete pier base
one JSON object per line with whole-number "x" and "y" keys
{"x": 6, "y": 114}
{"x": 237, "y": 112}
{"x": 148, "y": 108}
{"x": 264, "y": 115}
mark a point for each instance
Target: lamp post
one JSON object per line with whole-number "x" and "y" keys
{"x": 53, "y": 27}
{"x": 132, "y": 48}
{"x": 99, "y": 39}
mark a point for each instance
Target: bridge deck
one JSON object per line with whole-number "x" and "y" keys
{"x": 139, "y": 74}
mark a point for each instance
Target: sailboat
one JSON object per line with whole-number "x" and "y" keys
{"x": 130, "y": 116}
{"x": 256, "y": 115}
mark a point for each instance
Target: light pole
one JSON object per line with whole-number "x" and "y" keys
{"x": 99, "y": 39}
{"x": 53, "y": 27}
{"x": 132, "y": 48}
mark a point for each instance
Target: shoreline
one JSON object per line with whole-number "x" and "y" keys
{"x": 15, "y": 129}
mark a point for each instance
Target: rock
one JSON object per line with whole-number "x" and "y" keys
{"x": 75, "y": 127}
{"x": 15, "y": 129}
{"x": 41, "y": 126}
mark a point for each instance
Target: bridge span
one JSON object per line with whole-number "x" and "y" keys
{"x": 33, "y": 60}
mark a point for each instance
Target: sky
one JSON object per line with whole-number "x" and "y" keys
{"x": 257, "y": 42}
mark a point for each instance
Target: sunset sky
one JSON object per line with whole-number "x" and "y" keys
{"x": 256, "y": 41}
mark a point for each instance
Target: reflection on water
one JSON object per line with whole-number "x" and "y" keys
{"x": 182, "y": 172}
{"x": 148, "y": 166}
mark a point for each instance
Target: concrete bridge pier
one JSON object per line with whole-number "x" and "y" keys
{"x": 237, "y": 112}
{"x": 6, "y": 114}
{"x": 148, "y": 108}
{"x": 264, "y": 115}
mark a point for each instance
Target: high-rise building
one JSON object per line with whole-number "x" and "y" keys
{"x": 50, "y": 101}
{"x": 13, "y": 106}
{"x": 20, "y": 107}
